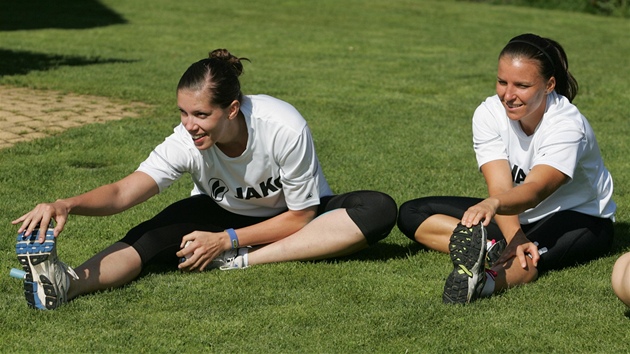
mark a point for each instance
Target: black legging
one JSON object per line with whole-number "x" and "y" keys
{"x": 158, "y": 239}
{"x": 569, "y": 237}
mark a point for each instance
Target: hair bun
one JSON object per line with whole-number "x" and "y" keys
{"x": 226, "y": 56}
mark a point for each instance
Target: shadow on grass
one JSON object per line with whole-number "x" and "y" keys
{"x": 18, "y": 15}
{"x": 382, "y": 251}
{"x": 379, "y": 252}
{"x": 21, "y": 63}
{"x": 621, "y": 243}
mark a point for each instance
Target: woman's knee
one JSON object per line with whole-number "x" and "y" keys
{"x": 373, "y": 212}
{"x": 409, "y": 218}
{"x": 413, "y": 213}
{"x": 388, "y": 208}
{"x": 620, "y": 278}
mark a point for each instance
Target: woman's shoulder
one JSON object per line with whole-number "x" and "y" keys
{"x": 560, "y": 105}
{"x": 179, "y": 140}
{"x": 563, "y": 120}
{"x": 181, "y": 135}
{"x": 491, "y": 108}
{"x": 270, "y": 110}
{"x": 560, "y": 111}
{"x": 492, "y": 102}
{"x": 262, "y": 102}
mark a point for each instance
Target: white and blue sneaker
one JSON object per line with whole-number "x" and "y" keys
{"x": 468, "y": 253}
{"x": 228, "y": 260}
{"x": 47, "y": 279}
{"x": 231, "y": 259}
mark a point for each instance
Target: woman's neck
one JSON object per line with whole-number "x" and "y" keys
{"x": 238, "y": 143}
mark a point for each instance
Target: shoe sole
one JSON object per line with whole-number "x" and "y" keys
{"x": 39, "y": 291}
{"x": 467, "y": 252}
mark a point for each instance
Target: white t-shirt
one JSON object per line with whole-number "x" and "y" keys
{"x": 563, "y": 140}
{"x": 279, "y": 168}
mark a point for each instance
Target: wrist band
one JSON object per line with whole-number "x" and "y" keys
{"x": 233, "y": 237}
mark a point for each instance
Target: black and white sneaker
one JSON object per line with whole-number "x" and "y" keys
{"x": 495, "y": 249}
{"x": 47, "y": 279}
{"x": 231, "y": 259}
{"x": 468, "y": 253}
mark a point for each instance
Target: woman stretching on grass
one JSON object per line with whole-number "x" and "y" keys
{"x": 549, "y": 192}
{"x": 257, "y": 182}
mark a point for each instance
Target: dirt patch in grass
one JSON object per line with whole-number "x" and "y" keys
{"x": 27, "y": 114}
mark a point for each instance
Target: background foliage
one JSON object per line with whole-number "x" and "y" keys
{"x": 615, "y": 8}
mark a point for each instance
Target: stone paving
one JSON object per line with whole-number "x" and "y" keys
{"x": 27, "y": 114}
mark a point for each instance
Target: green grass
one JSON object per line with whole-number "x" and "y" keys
{"x": 388, "y": 88}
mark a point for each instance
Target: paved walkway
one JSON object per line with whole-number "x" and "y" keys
{"x": 27, "y": 114}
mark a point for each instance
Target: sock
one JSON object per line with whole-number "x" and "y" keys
{"x": 244, "y": 252}
{"x": 488, "y": 288}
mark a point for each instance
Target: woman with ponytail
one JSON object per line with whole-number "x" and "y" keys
{"x": 259, "y": 196}
{"x": 550, "y": 196}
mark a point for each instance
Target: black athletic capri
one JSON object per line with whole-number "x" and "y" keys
{"x": 158, "y": 239}
{"x": 569, "y": 237}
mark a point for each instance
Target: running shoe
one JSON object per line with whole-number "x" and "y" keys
{"x": 228, "y": 260}
{"x": 468, "y": 253}
{"x": 47, "y": 279}
{"x": 495, "y": 250}
{"x": 231, "y": 259}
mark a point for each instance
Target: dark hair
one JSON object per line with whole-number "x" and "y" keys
{"x": 218, "y": 74}
{"x": 551, "y": 58}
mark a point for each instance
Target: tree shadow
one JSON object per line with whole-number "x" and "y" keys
{"x": 18, "y": 15}
{"x": 22, "y": 62}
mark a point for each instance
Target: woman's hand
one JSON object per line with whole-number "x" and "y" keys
{"x": 203, "y": 248}
{"x": 42, "y": 214}
{"x": 483, "y": 212}
{"x": 520, "y": 247}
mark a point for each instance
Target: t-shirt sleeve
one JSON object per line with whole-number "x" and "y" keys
{"x": 487, "y": 141}
{"x": 167, "y": 162}
{"x": 299, "y": 171}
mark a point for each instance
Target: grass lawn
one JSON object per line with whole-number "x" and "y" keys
{"x": 388, "y": 89}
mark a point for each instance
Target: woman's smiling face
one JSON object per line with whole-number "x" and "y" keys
{"x": 523, "y": 90}
{"x": 206, "y": 123}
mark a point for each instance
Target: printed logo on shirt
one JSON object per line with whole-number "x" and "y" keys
{"x": 218, "y": 189}
{"x": 264, "y": 189}
{"x": 518, "y": 175}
